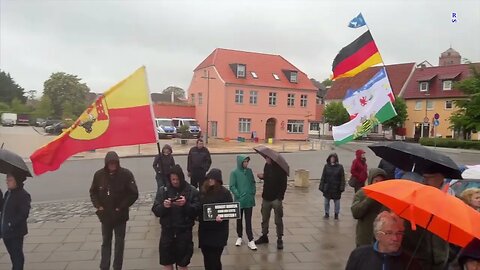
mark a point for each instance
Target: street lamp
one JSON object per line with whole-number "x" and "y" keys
{"x": 207, "y": 76}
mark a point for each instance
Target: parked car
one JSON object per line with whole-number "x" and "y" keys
{"x": 193, "y": 126}
{"x": 55, "y": 128}
{"x": 50, "y": 122}
{"x": 39, "y": 122}
{"x": 165, "y": 128}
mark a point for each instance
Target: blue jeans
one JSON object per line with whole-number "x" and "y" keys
{"x": 327, "y": 206}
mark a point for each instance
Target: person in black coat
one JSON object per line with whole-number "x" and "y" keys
{"x": 388, "y": 168}
{"x": 162, "y": 165}
{"x": 332, "y": 184}
{"x": 177, "y": 206}
{"x": 198, "y": 163}
{"x": 13, "y": 225}
{"x": 112, "y": 192}
{"x": 213, "y": 235}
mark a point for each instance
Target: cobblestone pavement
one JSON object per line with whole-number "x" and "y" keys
{"x": 67, "y": 236}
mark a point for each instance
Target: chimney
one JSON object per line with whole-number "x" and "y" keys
{"x": 172, "y": 97}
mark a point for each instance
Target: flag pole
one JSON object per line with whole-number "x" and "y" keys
{"x": 151, "y": 109}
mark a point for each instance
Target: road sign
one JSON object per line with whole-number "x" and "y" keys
{"x": 436, "y": 116}
{"x": 426, "y": 120}
{"x": 436, "y": 122}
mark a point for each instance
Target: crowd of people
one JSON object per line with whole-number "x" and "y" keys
{"x": 383, "y": 239}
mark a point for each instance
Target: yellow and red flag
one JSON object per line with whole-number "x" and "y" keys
{"x": 120, "y": 116}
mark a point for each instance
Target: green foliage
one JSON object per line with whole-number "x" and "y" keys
{"x": 44, "y": 108}
{"x": 467, "y": 117}
{"x": 402, "y": 114}
{"x": 9, "y": 89}
{"x": 184, "y": 130}
{"x": 335, "y": 114}
{"x": 327, "y": 82}
{"x": 177, "y": 91}
{"x": 4, "y": 107}
{"x": 450, "y": 143}
{"x": 61, "y": 89}
{"x": 18, "y": 107}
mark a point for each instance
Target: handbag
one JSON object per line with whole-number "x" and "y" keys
{"x": 352, "y": 182}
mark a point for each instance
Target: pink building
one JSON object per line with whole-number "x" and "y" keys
{"x": 249, "y": 92}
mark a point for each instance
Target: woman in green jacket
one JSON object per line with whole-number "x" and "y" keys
{"x": 242, "y": 185}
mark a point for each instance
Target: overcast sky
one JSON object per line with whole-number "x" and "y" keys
{"x": 103, "y": 41}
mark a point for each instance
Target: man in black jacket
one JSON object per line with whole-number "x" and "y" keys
{"x": 198, "y": 163}
{"x": 13, "y": 225}
{"x": 177, "y": 206}
{"x": 274, "y": 187}
{"x": 112, "y": 192}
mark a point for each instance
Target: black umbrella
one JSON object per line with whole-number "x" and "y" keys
{"x": 12, "y": 163}
{"x": 414, "y": 157}
{"x": 274, "y": 155}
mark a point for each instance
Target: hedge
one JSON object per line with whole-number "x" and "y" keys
{"x": 450, "y": 143}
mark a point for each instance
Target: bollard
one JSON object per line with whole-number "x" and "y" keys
{"x": 302, "y": 178}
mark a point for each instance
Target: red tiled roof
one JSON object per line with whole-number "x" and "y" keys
{"x": 397, "y": 74}
{"x": 264, "y": 65}
{"x": 437, "y": 75}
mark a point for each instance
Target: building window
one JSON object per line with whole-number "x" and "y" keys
{"x": 448, "y": 104}
{"x": 241, "y": 71}
{"x": 239, "y": 96}
{"x": 375, "y": 129}
{"x": 253, "y": 97}
{"x": 254, "y": 75}
{"x": 293, "y": 76}
{"x": 295, "y": 126}
{"x": 429, "y": 105}
{"x": 447, "y": 85}
{"x": 291, "y": 100}
{"x": 418, "y": 105}
{"x": 423, "y": 86}
{"x": 303, "y": 101}
{"x": 276, "y": 77}
{"x": 314, "y": 126}
{"x": 272, "y": 99}
{"x": 200, "y": 98}
{"x": 244, "y": 125}
{"x": 192, "y": 97}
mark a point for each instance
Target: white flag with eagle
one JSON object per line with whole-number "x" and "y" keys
{"x": 368, "y": 106}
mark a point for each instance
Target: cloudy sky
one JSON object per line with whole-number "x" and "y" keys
{"x": 102, "y": 41}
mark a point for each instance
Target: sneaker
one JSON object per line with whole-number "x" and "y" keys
{"x": 326, "y": 216}
{"x": 238, "y": 242}
{"x": 262, "y": 240}
{"x": 336, "y": 216}
{"x": 252, "y": 245}
{"x": 279, "y": 244}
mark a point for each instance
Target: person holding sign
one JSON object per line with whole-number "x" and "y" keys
{"x": 177, "y": 206}
{"x": 213, "y": 235}
{"x": 242, "y": 185}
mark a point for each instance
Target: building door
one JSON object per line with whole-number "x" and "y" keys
{"x": 214, "y": 128}
{"x": 418, "y": 131}
{"x": 426, "y": 130}
{"x": 270, "y": 128}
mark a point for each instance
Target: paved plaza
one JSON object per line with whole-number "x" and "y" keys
{"x": 67, "y": 235}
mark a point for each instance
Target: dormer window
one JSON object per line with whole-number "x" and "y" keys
{"x": 254, "y": 75}
{"x": 447, "y": 85}
{"x": 423, "y": 86}
{"x": 276, "y": 77}
{"x": 293, "y": 76}
{"x": 241, "y": 71}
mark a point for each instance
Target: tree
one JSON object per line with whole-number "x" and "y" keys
{"x": 44, "y": 108}
{"x": 31, "y": 94}
{"x": 9, "y": 89}
{"x": 467, "y": 118}
{"x": 402, "y": 115}
{"x": 335, "y": 114}
{"x": 327, "y": 82}
{"x": 4, "y": 107}
{"x": 18, "y": 107}
{"x": 62, "y": 88}
{"x": 177, "y": 91}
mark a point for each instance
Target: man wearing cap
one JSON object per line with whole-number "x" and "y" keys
{"x": 113, "y": 191}
{"x": 13, "y": 220}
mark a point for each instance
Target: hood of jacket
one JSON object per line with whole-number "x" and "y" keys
{"x": 333, "y": 155}
{"x": 240, "y": 159}
{"x": 471, "y": 251}
{"x": 112, "y": 156}
{"x": 177, "y": 170}
{"x": 374, "y": 172}
{"x": 167, "y": 146}
{"x": 358, "y": 153}
{"x": 215, "y": 174}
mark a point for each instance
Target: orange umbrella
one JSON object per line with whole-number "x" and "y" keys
{"x": 435, "y": 210}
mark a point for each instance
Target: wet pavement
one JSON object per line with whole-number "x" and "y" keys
{"x": 67, "y": 235}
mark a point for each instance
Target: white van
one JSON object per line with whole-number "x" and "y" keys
{"x": 192, "y": 124}
{"x": 165, "y": 128}
{"x": 9, "y": 119}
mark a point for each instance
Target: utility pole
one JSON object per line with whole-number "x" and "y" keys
{"x": 207, "y": 76}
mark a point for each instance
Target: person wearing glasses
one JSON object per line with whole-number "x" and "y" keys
{"x": 386, "y": 252}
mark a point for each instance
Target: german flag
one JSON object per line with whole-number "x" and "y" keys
{"x": 121, "y": 116}
{"x": 356, "y": 57}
